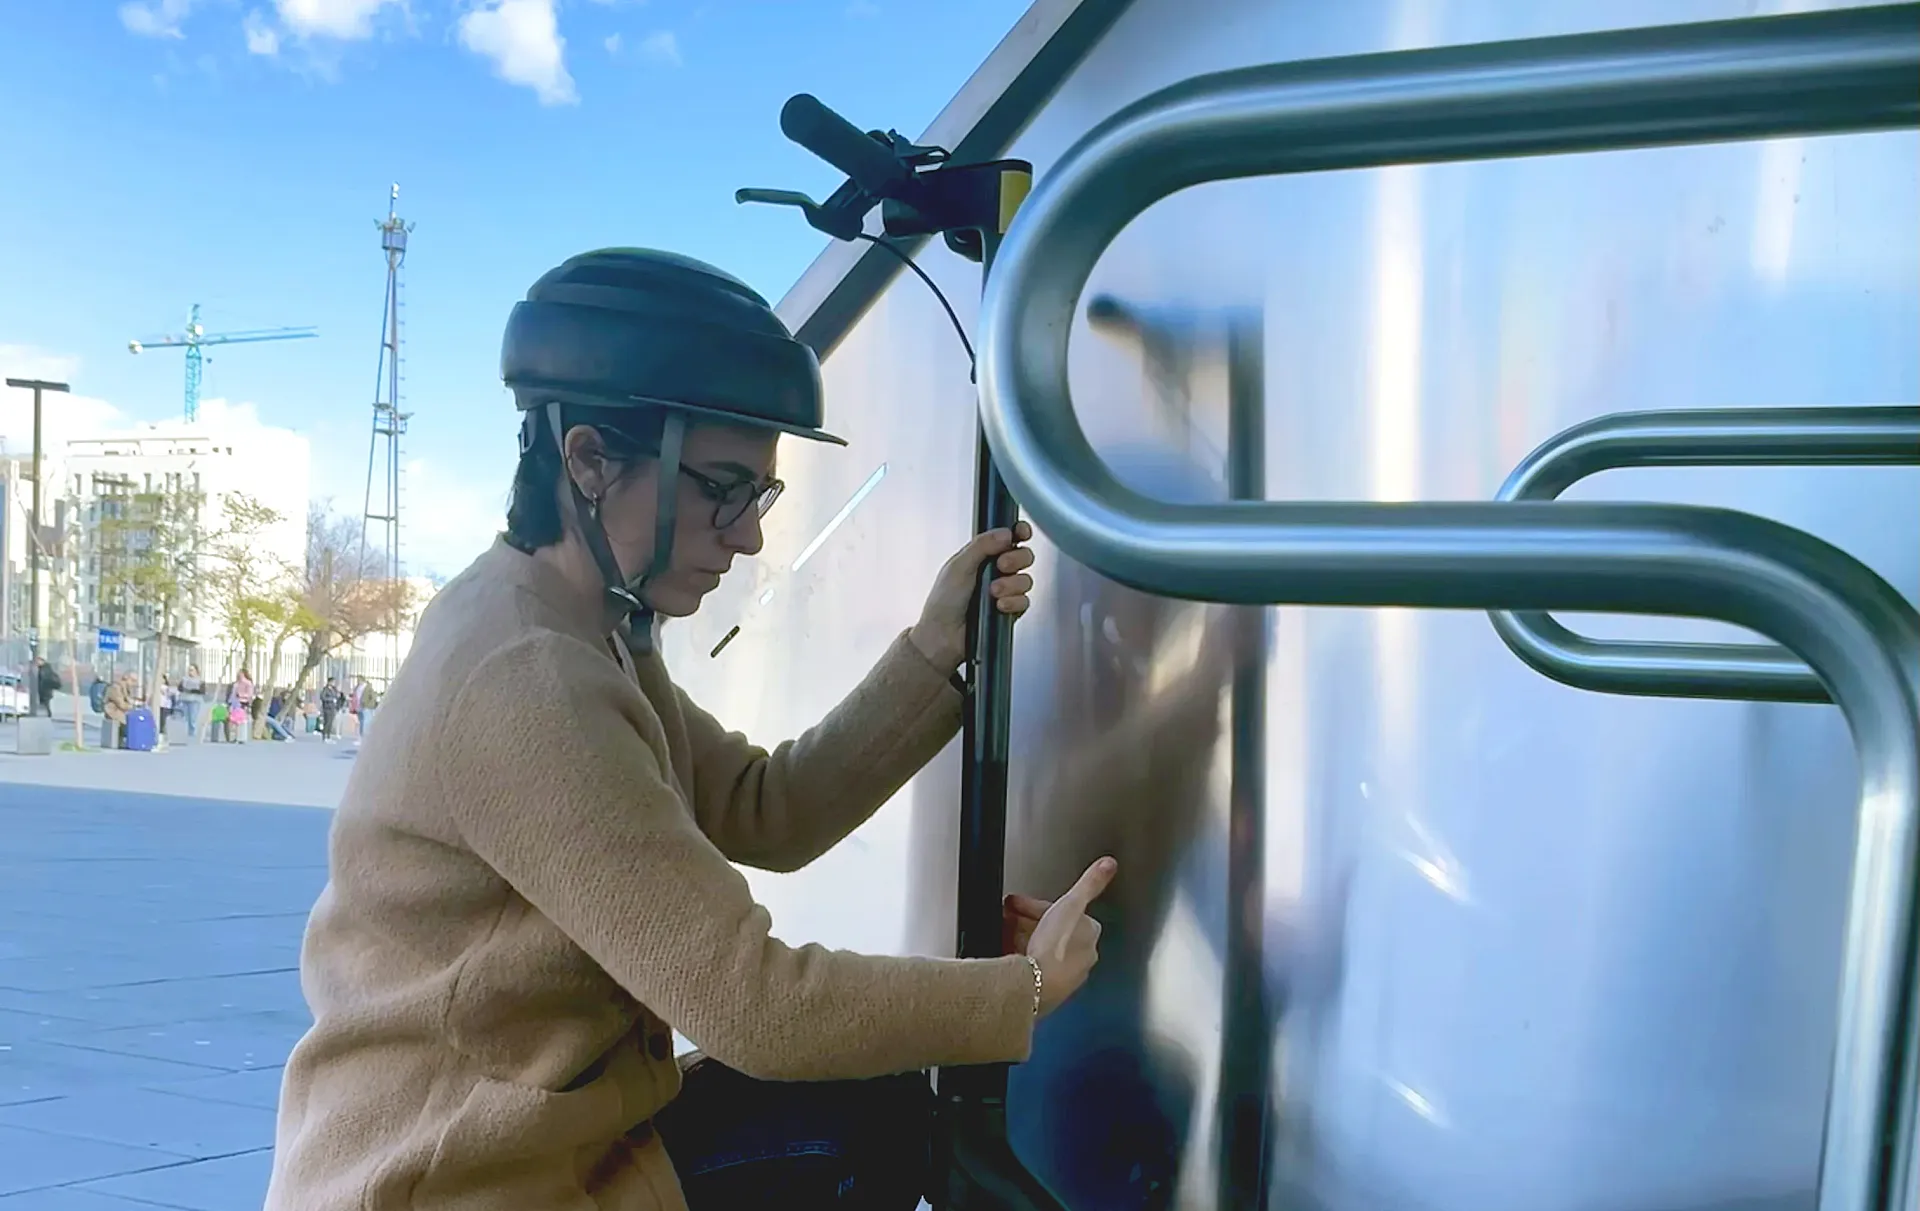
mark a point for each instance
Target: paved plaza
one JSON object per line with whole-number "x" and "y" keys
{"x": 151, "y": 906}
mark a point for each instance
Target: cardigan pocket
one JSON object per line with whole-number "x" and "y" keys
{"x": 509, "y": 1147}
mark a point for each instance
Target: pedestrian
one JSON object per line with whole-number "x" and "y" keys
{"x": 115, "y": 702}
{"x": 165, "y": 705}
{"x": 46, "y": 681}
{"x": 331, "y": 700}
{"x": 368, "y": 702}
{"x": 533, "y": 873}
{"x": 240, "y": 708}
{"x": 277, "y": 716}
{"x": 192, "y": 696}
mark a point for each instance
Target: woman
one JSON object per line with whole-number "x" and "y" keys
{"x": 165, "y": 703}
{"x": 531, "y": 884}
{"x": 240, "y": 709}
{"x": 193, "y": 692}
{"x": 114, "y": 706}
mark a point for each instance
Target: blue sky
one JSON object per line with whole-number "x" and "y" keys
{"x": 237, "y": 153}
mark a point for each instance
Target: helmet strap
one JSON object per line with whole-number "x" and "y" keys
{"x": 624, "y": 592}
{"x": 673, "y": 433}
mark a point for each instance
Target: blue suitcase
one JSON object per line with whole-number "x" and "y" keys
{"x": 141, "y": 734}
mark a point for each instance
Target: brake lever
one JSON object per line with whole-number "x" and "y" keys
{"x": 837, "y": 218}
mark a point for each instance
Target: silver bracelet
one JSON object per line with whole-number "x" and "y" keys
{"x": 1036, "y": 983}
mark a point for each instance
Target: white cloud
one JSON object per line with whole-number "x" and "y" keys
{"x": 349, "y": 20}
{"x": 522, "y": 38}
{"x": 613, "y": 44}
{"x": 662, "y": 47}
{"x": 63, "y": 417}
{"x": 25, "y": 361}
{"x": 262, "y": 39}
{"x": 157, "y": 19}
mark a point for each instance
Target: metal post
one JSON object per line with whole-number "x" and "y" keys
{"x": 976, "y": 1168}
{"x": 33, "y": 530}
{"x": 6, "y": 563}
{"x": 1246, "y": 1044}
{"x": 984, "y": 739}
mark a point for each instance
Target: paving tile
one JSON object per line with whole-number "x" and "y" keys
{"x": 38, "y": 1070}
{"x": 148, "y": 956}
{"x": 69, "y": 1198}
{"x": 218, "y": 996}
{"x": 79, "y": 971}
{"x": 248, "y": 1040}
{"x": 30, "y": 1160}
{"x": 142, "y": 1118}
{"x": 231, "y": 1183}
{"x": 259, "y": 1087}
{"x": 17, "y": 1026}
{"x": 93, "y": 1008}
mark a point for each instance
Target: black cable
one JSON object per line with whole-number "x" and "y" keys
{"x": 910, "y": 264}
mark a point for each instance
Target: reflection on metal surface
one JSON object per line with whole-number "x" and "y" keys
{"x": 1416, "y": 1102}
{"x": 1598, "y": 937}
{"x": 853, "y": 502}
{"x": 1819, "y": 73}
{"x": 1435, "y": 862}
{"x": 1104, "y": 1109}
{"x": 1171, "y": 346}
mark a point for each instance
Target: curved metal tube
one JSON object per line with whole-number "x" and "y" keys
{"x": 1720, "y": 437}
{"x": 1847, "y": 70}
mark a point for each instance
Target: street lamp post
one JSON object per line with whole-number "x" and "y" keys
{"x": 33, "y": 529}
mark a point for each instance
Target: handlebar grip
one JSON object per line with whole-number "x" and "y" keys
{"x": 842, "y": 144}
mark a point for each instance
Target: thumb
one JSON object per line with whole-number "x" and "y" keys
{"x": 1088, "y": 887}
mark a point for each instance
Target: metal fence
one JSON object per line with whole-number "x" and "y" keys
{"x": 218, "y": 663}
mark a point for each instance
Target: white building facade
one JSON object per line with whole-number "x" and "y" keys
{"x": 218, "y": 462}
{"x": 56, "y": 614}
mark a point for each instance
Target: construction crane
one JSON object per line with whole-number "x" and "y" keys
{"x": 195, "y": 337}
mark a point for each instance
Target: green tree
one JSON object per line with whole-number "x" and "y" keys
{"x": 250, "y": 583}
{"x": 149, "y": 543}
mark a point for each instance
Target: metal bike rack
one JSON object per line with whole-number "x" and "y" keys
{"x": 1850, "y": 70}
{"x": 1720, "y": 437}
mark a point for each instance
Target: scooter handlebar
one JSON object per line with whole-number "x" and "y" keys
{"x": 842, "y": 144}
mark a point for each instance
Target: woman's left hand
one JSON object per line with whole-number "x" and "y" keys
{"x": 941, "y": 633}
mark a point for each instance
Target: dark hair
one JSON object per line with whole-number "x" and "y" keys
{"x": 631, "y": 435}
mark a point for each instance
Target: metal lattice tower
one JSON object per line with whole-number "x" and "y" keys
{"x": 389, "y": 425}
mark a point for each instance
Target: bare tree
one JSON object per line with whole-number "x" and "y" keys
{"x": 347, "y": 593}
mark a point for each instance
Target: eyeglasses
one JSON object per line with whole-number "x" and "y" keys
{"x": 732, "y": 500}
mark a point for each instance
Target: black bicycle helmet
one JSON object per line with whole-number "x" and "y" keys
{"x": 640, "y": 327}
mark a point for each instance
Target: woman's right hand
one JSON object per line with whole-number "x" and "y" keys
{"x": 1064, "y": 941}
